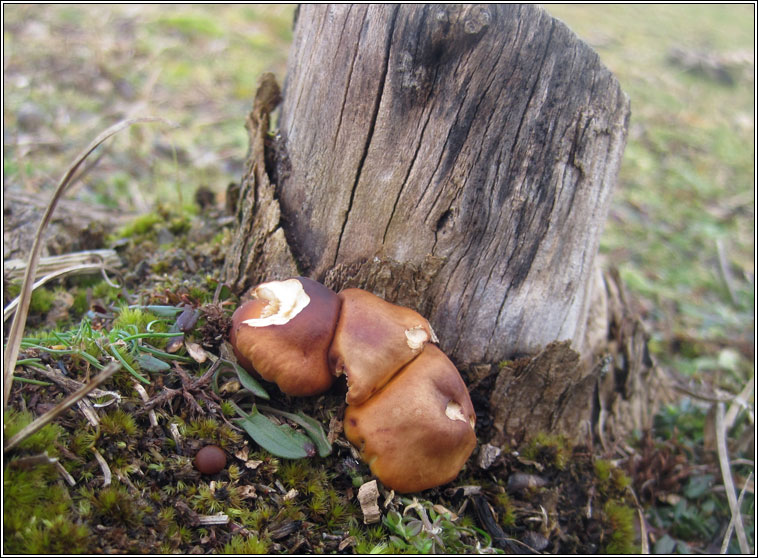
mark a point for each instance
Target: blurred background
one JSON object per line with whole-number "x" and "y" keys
{"x": 681, "y": 228}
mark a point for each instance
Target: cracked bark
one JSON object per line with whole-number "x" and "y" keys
{"x": 455, "y": 159}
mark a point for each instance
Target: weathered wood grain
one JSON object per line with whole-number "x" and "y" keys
{"x": 456, "y": 159}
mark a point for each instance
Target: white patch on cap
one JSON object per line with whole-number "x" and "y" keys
{"x": 455, "y": 412}
{"x": 416, "y": 337}
{"x": 286, "y": 299}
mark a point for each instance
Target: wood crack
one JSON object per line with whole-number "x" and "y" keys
{"x": 372, "y": 126}
{"x": 348, "y": 81}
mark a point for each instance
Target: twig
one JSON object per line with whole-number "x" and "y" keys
{"x": 176, "y": 435}
{"x": 726, "y": 474}
{"x": 730, "y": 528}
{"x": 61, "y": 407}
{"x": 19, "y": 319}
{"x": 218, "y": 519}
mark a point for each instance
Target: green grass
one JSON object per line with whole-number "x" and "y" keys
{"x": 687, "y": 178}
{"x": 82, "y": 68}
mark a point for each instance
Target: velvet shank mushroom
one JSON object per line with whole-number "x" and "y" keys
{"x": 284, "y": 334}
{"x": 418, "y": 430}
{"x": 373, "y": 341}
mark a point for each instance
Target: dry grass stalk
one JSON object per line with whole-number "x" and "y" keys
{"x": 14, "y": 269}
{"x": 726, "y": 474}
{"x": 61, "y": 407}
{"x": 74, "y": 270}
{"x": 644, "y": 545}
{"x": 730, "y": 528}
{"x": 19, "y": 320}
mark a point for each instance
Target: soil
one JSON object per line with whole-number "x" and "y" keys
{"x": 544, "y": 496}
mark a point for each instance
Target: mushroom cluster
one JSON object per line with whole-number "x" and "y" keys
{"x": 409, "y": 412}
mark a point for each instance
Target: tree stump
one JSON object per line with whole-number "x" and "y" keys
{"x": 458, "y": 160}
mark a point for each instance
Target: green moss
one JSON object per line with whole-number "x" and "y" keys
{"x": 42, "y": 440}
{"x": 82, "y": 440}
{"x": 259, "y": 517}
{"x": 36, "y": 513}
{"x": 119, "y": 423}
{"x": 340, "y": 510}
{"x": 228, "y": 437}
{"x": 88, "y": 289}
{"x": 180, "y": 225}
{"x": 81, "y": 304}
{"x": 42, "y": 301}
{"x": 228, "y": 409}
{"x": 246, "y": 545}
{"x": 202, "y": 294}
{"x": 203, "y": 429}
{"x": 160, "y": 267}
{"x": 610, "y": 478}
{"x": 133, "y": 317}
{"x": 105, "y": 292}
{"x": 293, "y": 473}
{"x": 368, "y": 540}
{"x": 12, "y": 290}
{"x": 505, "y": 509}
{"x": 113, "y": 505}
{"x": 619, "y": 524}
{"x": 140, "y": 226}
{"x": 548, "y": 449}
{"x": 211, "y": 501}
{"x": 57, "y": 536}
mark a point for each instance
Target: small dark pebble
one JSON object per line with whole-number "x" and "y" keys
{"x": 210, "y": 460}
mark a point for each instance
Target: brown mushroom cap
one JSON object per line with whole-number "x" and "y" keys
{"x": 284, "y": 334}
{"x": 373, "y": 341}
{"x": 418, "y": 431}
